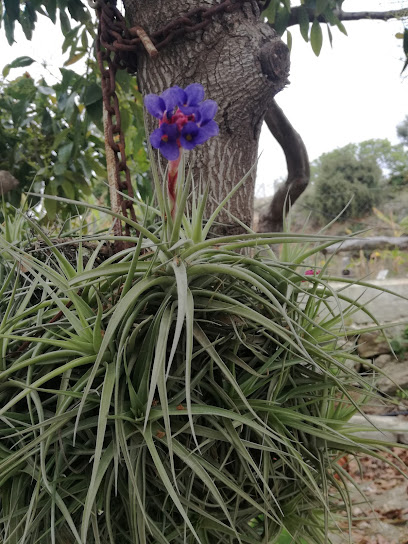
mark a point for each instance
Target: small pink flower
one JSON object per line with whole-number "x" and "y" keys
{"x": 311, "y": 272}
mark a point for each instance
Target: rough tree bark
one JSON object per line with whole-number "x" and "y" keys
{"x": 242, "y": 64}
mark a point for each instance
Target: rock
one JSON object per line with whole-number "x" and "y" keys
{"x": 353, "y": 365}
{"x": 371, "y": 344}
{"x": 396, "y": 378}
{"x": 385, "y": 359}
{"x": 384, "y": 428}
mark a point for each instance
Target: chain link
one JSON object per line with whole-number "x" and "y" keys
{"x": 122, "y": 40}
{"x": 115, "y": 48}
{"x": 116, "y": 139}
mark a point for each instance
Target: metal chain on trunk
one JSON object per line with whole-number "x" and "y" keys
{"x": 118, "y": 172}
{"x": 115, "y": 47}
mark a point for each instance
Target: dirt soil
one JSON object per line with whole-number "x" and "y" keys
{"x": 385, "y": 519}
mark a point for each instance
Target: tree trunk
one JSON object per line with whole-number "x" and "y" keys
{"x": 242, "y": 64}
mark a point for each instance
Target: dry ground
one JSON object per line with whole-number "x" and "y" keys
{"x": 385, "y": 520}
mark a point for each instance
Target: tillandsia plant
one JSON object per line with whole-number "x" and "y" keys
{"x": 185, "y": 390}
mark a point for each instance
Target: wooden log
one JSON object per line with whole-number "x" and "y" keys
{"x": 369, "y": 244}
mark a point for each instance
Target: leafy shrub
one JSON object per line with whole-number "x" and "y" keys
{"x": 51, "y": 138}
{"x": 342, "y": 176}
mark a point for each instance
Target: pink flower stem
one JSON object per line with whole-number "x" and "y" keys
{"x": 172, "y": 184}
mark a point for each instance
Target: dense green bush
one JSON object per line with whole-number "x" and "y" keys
{"x": 341, "y": 177}
{"x": 51, "y": 138}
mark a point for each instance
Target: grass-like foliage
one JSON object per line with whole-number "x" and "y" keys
{"x": 184, "y": 390}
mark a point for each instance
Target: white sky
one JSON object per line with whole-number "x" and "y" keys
{"x": 350, "y": 93}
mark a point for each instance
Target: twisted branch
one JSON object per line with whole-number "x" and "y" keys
{"x": 297, "y": 162}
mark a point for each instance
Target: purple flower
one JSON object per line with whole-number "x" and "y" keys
{"x": 186, "y": 119}
{"x": 158, "y": 106}
{"x": 190, "y": 98}
{"x": 205, "y": 119}
{"x": 165, "y": 138}
{"x": 155, "y": 105}
{"x": 191, "y": 135}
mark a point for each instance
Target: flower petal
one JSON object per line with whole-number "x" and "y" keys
{"x": 188, "y": 110}
{"x": 170, "y": 150}
{"x": 171, "y": 130}
{"x": 155, "y": 105}
{"x": 189, "y": 133}
{"x": 207, "y": 111}
{"x": 173, "y": 97}
{"x": 207, "y": 131}
{"x": 195, "y": 93}
{"x": 155, "y": 138}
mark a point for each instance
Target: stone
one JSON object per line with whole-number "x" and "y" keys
{"x": 385, "y": 359}
{"x": 384, "y": 428}
{"x": 395, "y": 378}
{"x": 352, "y": 365}
{"x": 371, "y": 344}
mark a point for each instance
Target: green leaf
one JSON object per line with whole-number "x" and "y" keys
{"x": 405, "y": 41}
{"x": 65, "y": 23}
{"x": 12, "y": 9}
{"x": 94, "y": 111}
{"x": 341, "y": 27}
{"x": 101, "y": 459}
{"x": 50, "y": 208}
{"x": 27, "y": 20}
{"x": 303, "y": 19}
{"x": 68, "y": 189}
{"x": 321, "y": 5}
{"x": 77, "y": 11}
{"x": 270, "y": 12}
{"x": 282, "y": 20}
{"x": 289, "y": 40}
{"x": 51, "y": 8}
{"x": 64, "y": 152}
{"x": 71, "y": 38}
{"x": 6, "y": 70}
{"x": 84, "y": 40}
{"x": 316, "y": 37}
{"x": 9, "y": 28}
{"x": 45, "y": 90}
{"x": 46, "y": 123}
{"x": 75, "y": 58}
{"x": 92, "y": 94}
{"x": 20, "y": 62}
{"x": 70, "y": 106}
{"x": 162, "y": 473}
{"x": 329, "y": 32}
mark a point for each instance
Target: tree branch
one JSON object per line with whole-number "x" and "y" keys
{"x": 350, "y": 16}
{"x": 297, "y": 162}
{"x": 369, "y": 244}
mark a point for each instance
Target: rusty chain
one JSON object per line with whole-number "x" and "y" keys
{"x": 114, "y": 133}
{"x": 115, "y": 49}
